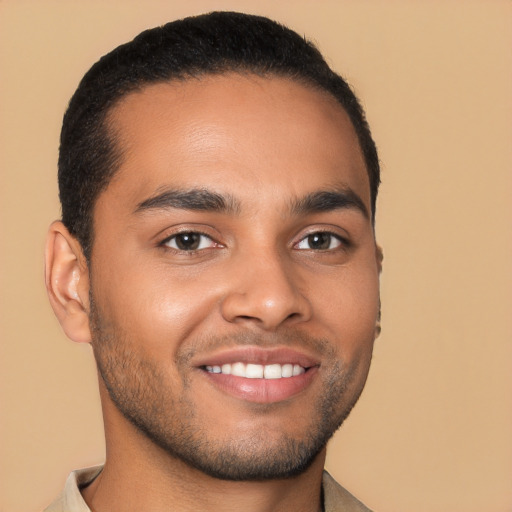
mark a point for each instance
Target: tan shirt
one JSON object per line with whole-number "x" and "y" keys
{"x": 336, "y": 498}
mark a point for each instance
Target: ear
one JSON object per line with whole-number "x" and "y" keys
{"x": 67, "y": 282}
{"x": 379, "y": 255}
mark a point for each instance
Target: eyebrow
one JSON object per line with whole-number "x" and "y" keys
{"x": 329, "y": 200}
{"x": 193, "y": 199}
{"x": 206, "y": 200}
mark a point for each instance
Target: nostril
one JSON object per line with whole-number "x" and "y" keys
{"x": 266, "y": 304}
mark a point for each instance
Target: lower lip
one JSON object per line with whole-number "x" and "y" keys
{"x": 262, "y": 391}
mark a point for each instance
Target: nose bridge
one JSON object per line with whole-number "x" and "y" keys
{"x": 265, "y": 290}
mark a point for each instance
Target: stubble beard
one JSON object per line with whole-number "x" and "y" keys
{"x": 137, "y": 387}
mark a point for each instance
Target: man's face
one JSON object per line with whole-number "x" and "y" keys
{"x": 234, "y": 275}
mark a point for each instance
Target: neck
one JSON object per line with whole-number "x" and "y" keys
{"x": 136, "y": 489}
{"x": 138, "y": 475}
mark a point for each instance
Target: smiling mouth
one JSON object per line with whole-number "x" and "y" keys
{"x": 258, "y": 371}
{"x": 260, "y": 374}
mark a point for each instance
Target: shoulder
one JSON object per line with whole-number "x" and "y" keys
{"x": 338, "y": 499}
{"x": 70, "y": 499}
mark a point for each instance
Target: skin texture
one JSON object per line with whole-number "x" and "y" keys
{"x": 259, "y": 285}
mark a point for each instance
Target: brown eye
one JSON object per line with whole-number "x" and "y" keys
{"x": 189, "y": 241}
{"x": 320, "y": 241}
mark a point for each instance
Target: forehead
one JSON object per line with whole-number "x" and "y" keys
{"x": 239, "y": 134}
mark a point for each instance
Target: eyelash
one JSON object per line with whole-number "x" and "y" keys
{"x": 165, "y": 243}
{"x": 342, "y": 242}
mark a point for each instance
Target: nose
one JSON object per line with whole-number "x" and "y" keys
{"x": 266, "y": 292}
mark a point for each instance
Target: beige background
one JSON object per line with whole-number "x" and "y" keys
{"x": 432, "y": 432}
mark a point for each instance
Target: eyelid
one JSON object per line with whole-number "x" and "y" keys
{"x": 169, "y": 239}
{"x": 182, "y": 230}
{"x": 344, "y": 241}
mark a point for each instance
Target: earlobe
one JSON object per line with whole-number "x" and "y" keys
{"x": 379, "y": 254}
{"x": 378, "y": 327}
{"x": 67, "y": 282}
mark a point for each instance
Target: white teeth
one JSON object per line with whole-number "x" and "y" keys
{"x": 254, "y": 371}
{"x": 287, "y": 370}
{"x": 258, "y": 371}
{"x": 297, "y": 370}
{"x": 238, "y": 369}
{"x": 273, "y": 371}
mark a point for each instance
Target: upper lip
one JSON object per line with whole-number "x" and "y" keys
{"x": 257, "y": 355}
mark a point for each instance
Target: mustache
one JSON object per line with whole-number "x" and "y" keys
{"x": 292, "y": 339}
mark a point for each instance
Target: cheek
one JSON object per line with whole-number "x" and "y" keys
{"x": 350, "y": 311}
{"x": 153, "y": 305}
